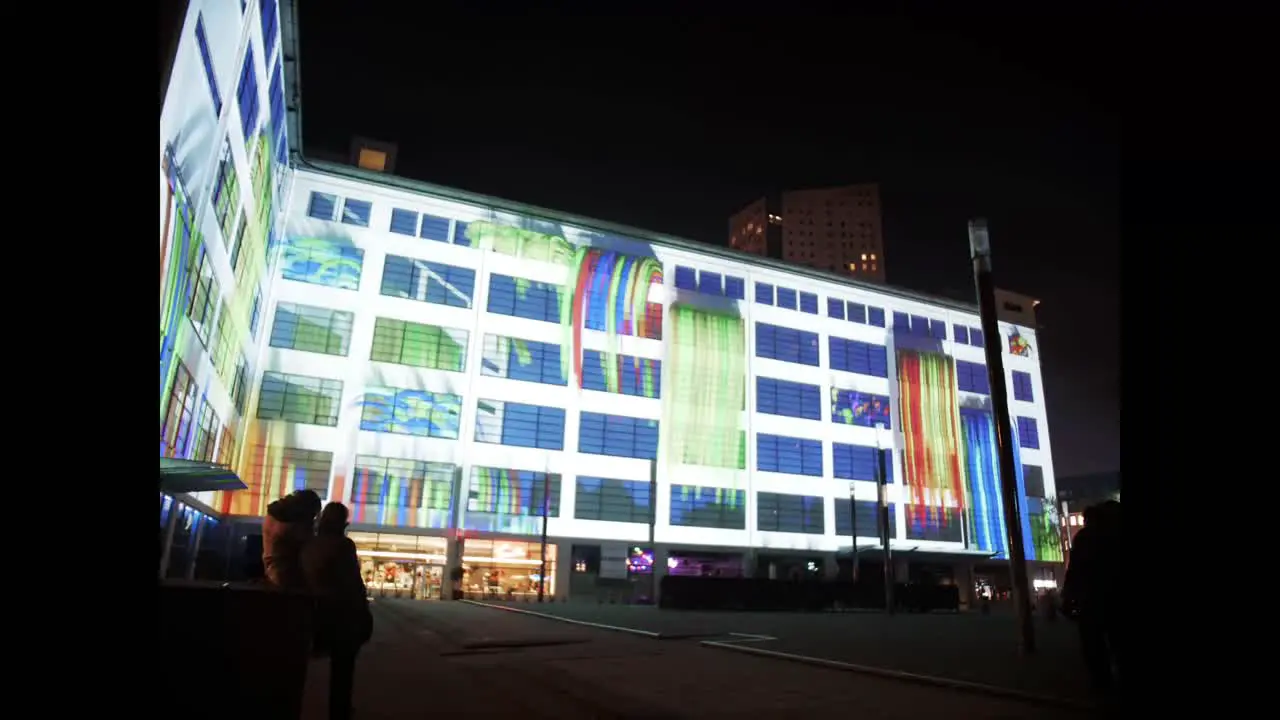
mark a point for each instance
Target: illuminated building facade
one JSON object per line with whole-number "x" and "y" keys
{"x": 450, "y": 365}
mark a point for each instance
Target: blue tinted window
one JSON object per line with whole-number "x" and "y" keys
{"x": 778, "y": 512}
{"x": 809, "y": 303}
{"x": 972, "y": 377}
{"x": 710, "y": 283}
{"x": 858, "y": 313}
{"x": 786, "y": 344}
{"x": 322, "y": 205}
{"x": 875, "y": 316}
{"x": 920, "y": 325}
{"x": 854, "y": 407}
{"x": 764, "y": 293}
{"x": 276, "y": 93}
{"x": 356, "y": 212}
{"x": 686, "y": 278}
{"x": 522, "y": 298}
{"x": 247, "y": 95}
{"x": 322, "y": 262}
{"x": 641, "y": 377}
{"x": 612, "y": 500}
{"x": 526, "y": 360}
{"x": 961, "y": 334}
{"x": 794, "y": 456}
{"x": 1022, "y": 387}
{"x": 404, "y": 222}
{"x": 207, "y": 59}
{"x": 411, "y": 412}
{"x": 858, "y": 462}
{"x": 519, "y": 425}
{"x": 868, "y": 519}
{"x": 1028, "y": 433}
{"x": 430, "y": 282}
{"x": 255, "y": 312}
{"x": 268, "y": 8}
{"x": 789, "y": 399}
{"x": 858, "y": 357}
{"x": 434, "y": 228}
{"x": 786, "y": 298}
{"x": 835, "y": 308}
{"x": 618, "y": 436}
{"x": 976, "y": 338}
{"x": 734, "y": 287}
{"x": 938, "y": 329}
{"x": 901, "y": 323}
{"x": 708, "y": 507}
{"x": 460, "y": 234}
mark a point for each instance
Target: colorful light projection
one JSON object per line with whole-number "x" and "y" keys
{"x": 411, "y": 412}
{"x": 509, "y": 501}
{"x": 852, "y": 407}
{"x": 402, "y": 493}
{"x": 930, "y": 418}
{"x": 1018, "y": 345}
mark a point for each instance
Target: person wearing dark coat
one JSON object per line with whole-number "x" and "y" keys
{"x": 1091, "y": 593}
{"x": 287, "y": 528}
{"x": 343, "y": 621}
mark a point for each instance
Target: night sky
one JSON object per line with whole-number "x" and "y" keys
{"x": 673, "y": 125}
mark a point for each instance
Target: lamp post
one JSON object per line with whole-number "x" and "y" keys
{"x": 853, "y": 531}
{"x": 546, "y": 505}
{"x": 980, "y": 252}
{"x": 882, "y": 518}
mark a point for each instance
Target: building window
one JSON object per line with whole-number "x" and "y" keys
{"x": 734, "y": 288}
{"x": 429, "y": 282}
{"x": 205, "y": 296}
{"x": 269, "y": 25}
{"x": 522, "y": 298}
{"x": 437, "y": 228}
{"x": 206, "y": 59}
{"x": 417, "y": 345}
{"x": 312, "y": 329}
{"x": 494, "y": 491}
{"x": 859, "y": 462}
{"x": 206, "y": 435}
{"x": 972, "y": 377}
{"x": 322, "y": 206}
{"x": 526, "y": 360}
{"x": 404, "y": 222}
{"x": 778, "y": 512}
{"x": 868, "y": 519}
{"x": 247, "y": 96}
{"x": 875, "y": 316}
{"x": 175, "y": 431}
{"x": 610, "y": 500}
{"x": 239, "y": 384}
{"x": 786, "y": 344}
{"x": 764, "y": 293}
{"x": 835, "y": 308}
{"x": 789, "y": 399}
{"x": 1028, "y": 433}
{"x": 786, "y": 298}
{"x": 858, "y": 357}
{"x": 809, "y": 303}
{"x": 227, "y": 447}
{"x": 370, "y": 159}
{"x": 520, "y": 425}
{"x": 299, "y": 399}
{"x": 421, "y": 413}
{"x": 618, "y": 436}
{"x": 255, "y": 312}
{"x": 311, "y": 471}
{"x": 1022, "y": 389}
{"x": 636, "y": 376}
{"x": 853, "y": 407}
{"x": 708, "y": 507}
{"x": 793, "y": 456}
{"x": 226, "y": 193}
{"x": 356, "y": 212}
{"x": 403, "y": 484}
{"x": 323, "y": 262}
{"x": 961, "y": 334}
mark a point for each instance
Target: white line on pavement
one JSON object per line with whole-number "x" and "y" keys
{"x": 571, "y": 621}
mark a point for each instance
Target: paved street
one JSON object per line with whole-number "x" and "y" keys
{"x": 472, "y": 661}
{"x": 967, "y": 647}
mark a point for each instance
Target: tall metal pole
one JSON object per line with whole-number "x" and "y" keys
{"x": 882, "y": 513}
{"x": 546, "y": 505}
{"x": 853, "y": 533}
{"x": 980, "y": 252}
{"x": 653, "y": 521}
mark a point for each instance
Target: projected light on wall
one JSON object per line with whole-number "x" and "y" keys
{"x": 852, "y": 407}
{"x": 510, "y": 501}
{"x": 402, "y": 493}
{"x": 931, "y": 456}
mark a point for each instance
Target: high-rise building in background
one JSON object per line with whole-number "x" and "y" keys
{"x": 465, "y": 372}
{"x": 837, "y": 230}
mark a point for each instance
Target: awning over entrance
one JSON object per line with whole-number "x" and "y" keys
{"x": 188, "y": 476}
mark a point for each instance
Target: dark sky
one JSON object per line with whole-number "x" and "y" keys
{"x": 673, "y": 124}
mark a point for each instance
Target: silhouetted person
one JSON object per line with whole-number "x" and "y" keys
{"x": 287, "y": 528}
{"x": 343, "y": 621}
{"x": 1092, "y": 593}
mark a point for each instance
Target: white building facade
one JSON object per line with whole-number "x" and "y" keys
{"x": 448, "y": 365}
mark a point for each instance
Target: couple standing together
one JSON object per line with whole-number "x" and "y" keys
{"x": 321, "y": 562}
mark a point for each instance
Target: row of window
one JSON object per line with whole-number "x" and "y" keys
{"x": 316, "y": 401}
{"x": 710, "y": 283}
{"x": 182, "y": 435}
{"x": 855, "y": 312}
{"x": 786, "y": 298}
{"x": 414, "y": 485}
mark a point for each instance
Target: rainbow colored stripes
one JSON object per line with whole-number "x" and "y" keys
{"x": 617, "y": 286}
{"x": 930, "y": 420}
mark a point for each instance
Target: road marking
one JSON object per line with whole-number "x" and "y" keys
{"x": 748, "y": 638}
{"x": 600, "y": 626}
{"x": 949, "y": 683}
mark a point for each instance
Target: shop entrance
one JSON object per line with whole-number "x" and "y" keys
{"x": 506, "y": 570}
{"x": 401, "y": 566}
